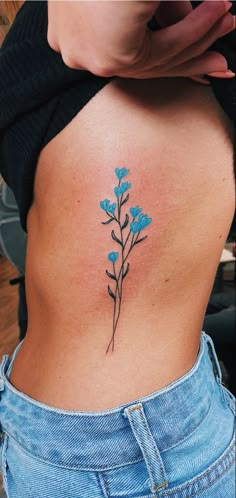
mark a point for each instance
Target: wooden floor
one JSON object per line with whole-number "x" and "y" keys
{"x": 9, "y": 331}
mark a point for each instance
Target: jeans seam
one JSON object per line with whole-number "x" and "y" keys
{"x": 176, "y": 490}
{"x": 103, "y": 484}
{"x": 217, "y": 478}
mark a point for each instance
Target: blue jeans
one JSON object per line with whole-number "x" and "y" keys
{"x": 176, "y": 442}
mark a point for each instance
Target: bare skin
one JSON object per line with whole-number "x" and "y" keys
{"x": 177, "y": 144}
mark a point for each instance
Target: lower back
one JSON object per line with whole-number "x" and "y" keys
{"x": 175, "y": 143}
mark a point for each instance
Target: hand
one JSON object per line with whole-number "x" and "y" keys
{"x": 112, "y": 38}
{"x": 170, "y": 12}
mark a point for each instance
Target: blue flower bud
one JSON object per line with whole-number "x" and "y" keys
{"x": 142, "y": 222}
{"x": 107, "y": 206}
{"x": 113, "y": 256}
{"x": 135, "y": 211}
{"x": 125, "y": 186}
{"x": 134, "y": 226}
{"x": 122, "y": 188}
{"x": 103, "y": 204}
{"x": 121, "y": 172}
{"x": 112, "y": 208}
{"x": 117, "y": 191}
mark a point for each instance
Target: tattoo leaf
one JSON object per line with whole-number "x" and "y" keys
{"x": 107, "y": 222}
{"x": 124, "y": 200}
{"x": 115, "y": 237}
{"x": 110, "y": 292}
{"x": 125, "y": 222}
{"x": 140, "y": 240}
{"x": 126, "y": 271}
{"x": 110, "y": 275}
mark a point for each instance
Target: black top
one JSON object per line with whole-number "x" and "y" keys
{"x": 40, "y": 95}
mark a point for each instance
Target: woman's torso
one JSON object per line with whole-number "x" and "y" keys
{"x": 176, "y": 143}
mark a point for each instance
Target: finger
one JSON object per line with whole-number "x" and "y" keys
{"x": 170, "y": 12}
{"x": 169, "y": 41}
{"x": 225, "y": 25}
{"x": 206, "y": 63}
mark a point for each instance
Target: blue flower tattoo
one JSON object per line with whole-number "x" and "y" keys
{"x": 121, "y": 189}
{"x": 143, "y": 222}
{"x": 126, "y": 240}
{"x": 135, "y": 211}
{"x": 121, "y": 173}
{"x": 113, "y": 256}
{"x": 107, "y": 206}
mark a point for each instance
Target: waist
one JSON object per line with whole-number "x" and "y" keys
{"x": 75, "y": 373}
{"x": 186, "y": 402}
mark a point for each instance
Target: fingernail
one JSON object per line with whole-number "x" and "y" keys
{"x": 222, "y": 74}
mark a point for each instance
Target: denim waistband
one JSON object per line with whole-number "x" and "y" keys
{"x": 105, "y": 439}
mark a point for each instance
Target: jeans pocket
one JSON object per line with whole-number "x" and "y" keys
{"x": 4, "y": 462}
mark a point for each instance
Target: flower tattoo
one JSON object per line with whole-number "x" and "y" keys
{"x": 133, "y": 224}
